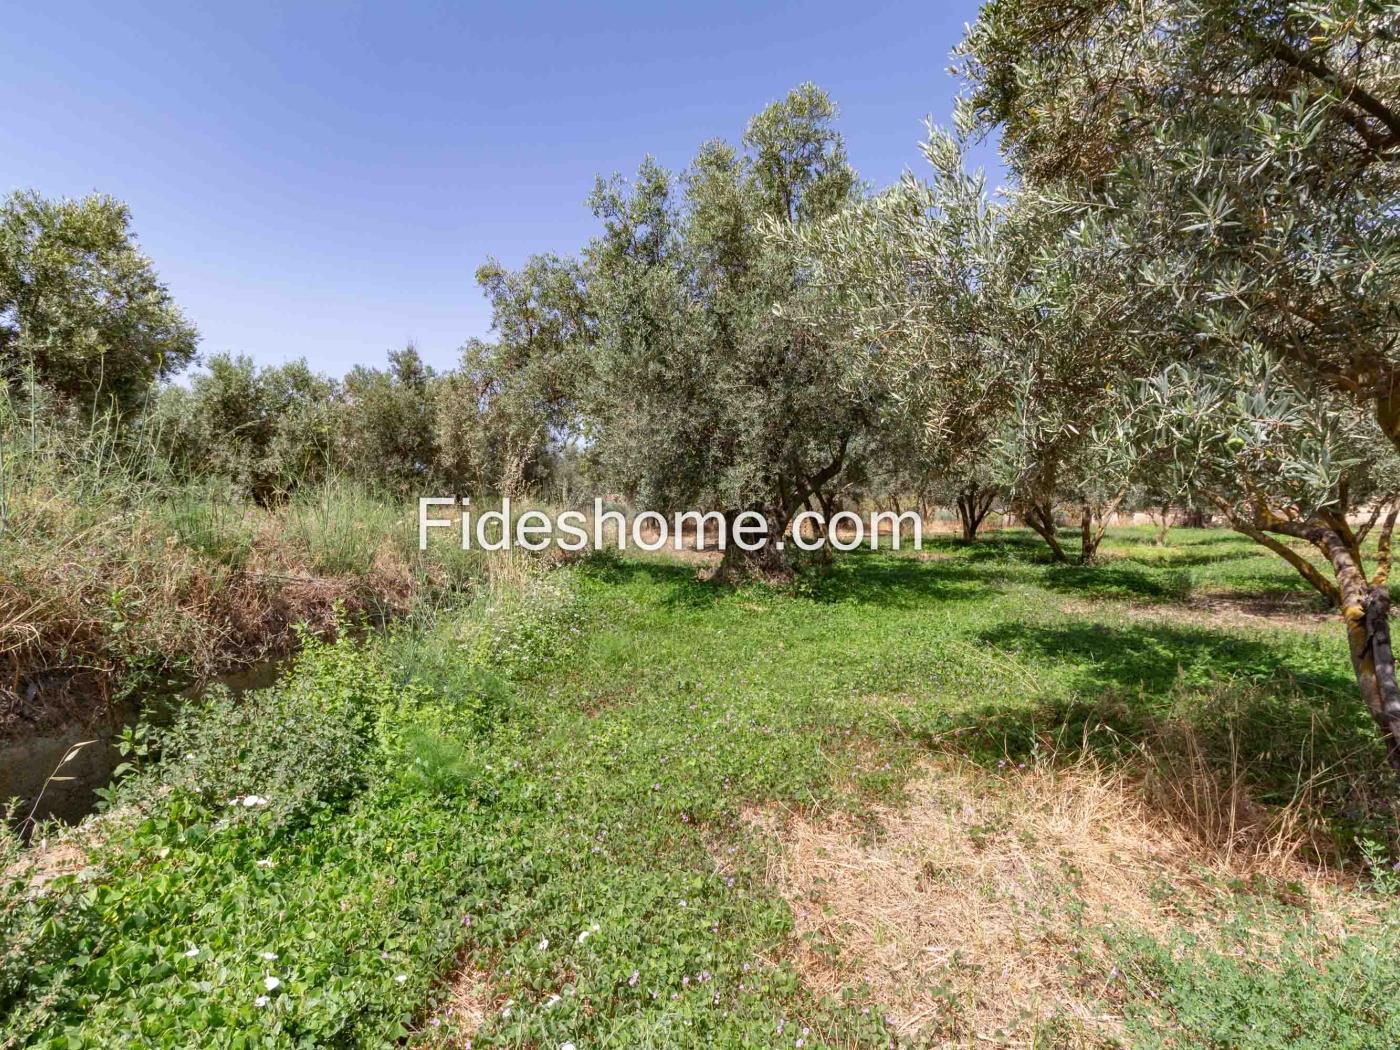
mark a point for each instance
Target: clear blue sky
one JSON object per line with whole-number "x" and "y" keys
{"x": 322, "y": 180}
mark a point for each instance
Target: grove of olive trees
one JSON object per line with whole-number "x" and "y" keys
{"x": 292, "y": 755}
{"x": 1185, "y": 297}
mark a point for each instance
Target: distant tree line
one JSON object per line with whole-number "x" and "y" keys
{"x": 87, "y": 329}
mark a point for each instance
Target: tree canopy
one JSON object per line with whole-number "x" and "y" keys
{"x": 81, "y": 309}
{"x": 704, "y": 387}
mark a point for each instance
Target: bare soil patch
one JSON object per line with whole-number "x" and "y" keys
{"x": 1294, "y": 610}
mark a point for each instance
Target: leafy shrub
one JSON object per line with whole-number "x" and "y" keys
{"x": 288, "y": 918}
{"x": 301, "y": 746}
{"x": 437, "y": 667}
{"x": 322, "y": 913}
{"x": 15, "y": 933}
{"x": 531, "y": 629}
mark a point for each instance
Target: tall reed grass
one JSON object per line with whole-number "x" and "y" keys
{"x": 114, "y": 571}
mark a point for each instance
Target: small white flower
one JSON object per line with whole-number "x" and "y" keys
{"x": 551, "y": 1001}
{"x": 584, "y": 936}
{"x": 249, "y": 801}
{"x": 566, "y": 1046}
{"x": 261, "y": 1001}
{"x": 272, "y": 983}
{"x": 400, "y": 978}
{"x": 269, "y": 956}
{"x": 544, "y": 943}
{"x": 266, "y": 862}
{"x": 191, "y": 953}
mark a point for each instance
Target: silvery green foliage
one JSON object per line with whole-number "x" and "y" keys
{"x": 704, "y": 386}
{"x": 915, "y": 272}
{"x": 1239, "y": 160}
{"x": 986, "y": 317}
{"x": 511, "y": 399}
{"x": 384, "y": 421}
{"x": 1252, "y": 444}
{"x": 266, "y": 429}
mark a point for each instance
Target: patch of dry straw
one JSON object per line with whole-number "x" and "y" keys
{"x": 469, "y": 1000}
{"x": 972, "y": 914}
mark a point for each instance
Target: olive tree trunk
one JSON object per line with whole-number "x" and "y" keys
{"x": 1093, "y": 523}
{"x": 1365, "y": 607}
{"x": 1163, "y": 526}
{"x": 1364, "y": 602}
{"x": 974, "y": 503}
{"x": 771, "y": 559}
{"x": 1041, "y": 517}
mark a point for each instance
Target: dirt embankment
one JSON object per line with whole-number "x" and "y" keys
{"x": 76, "y": 633}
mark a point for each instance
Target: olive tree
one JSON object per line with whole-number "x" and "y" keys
{"x": 970, "y": 491}
{"x": 385, "y": 432}
{"x": 704, "y": 389}
{"x": 988, "y": 321}
{"x": 1289, "y": 467}
{"x": 1241, "y": 162}
{"x": 512, "y": 400}
{"x": 81, "y": 309}
{"x": 1238, "y": 165}
{"x": 267, "y": 430}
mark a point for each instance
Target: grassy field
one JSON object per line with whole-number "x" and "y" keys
{"x": 959, "y": 796}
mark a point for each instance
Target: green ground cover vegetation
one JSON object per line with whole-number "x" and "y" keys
{"x": 535, "y": 791}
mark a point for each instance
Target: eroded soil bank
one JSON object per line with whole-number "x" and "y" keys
{"x": 33, "y": 767}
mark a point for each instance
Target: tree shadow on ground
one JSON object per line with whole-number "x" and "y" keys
{"x": 1022, "y": 546}
{"x": 857, "y": 577}
{"x": 1112, "y": 581}
{"x": 1152, "y": 657}
{"x": 682, "y": 580}
{"x": 1233, "y": 705}
{"x": 1270, "y": 738}
{"x": 1170, "y": 583}
{"x": 1185, "y": 558}
{"x": 870, "y": 578}
{"x": 1181, "y": 536}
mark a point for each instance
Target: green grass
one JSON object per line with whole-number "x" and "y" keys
{"x": 536, "y": 790}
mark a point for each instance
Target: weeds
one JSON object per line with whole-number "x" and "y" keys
{"x": 115, "y": 578}
{"x": 617, "y": 807}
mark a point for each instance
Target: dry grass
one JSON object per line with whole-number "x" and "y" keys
{"x": 469, "y": 1001}
{"x": 972, "y": 915}
{"x": 45, "y": 861}
{"x": 88, "y": 593}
